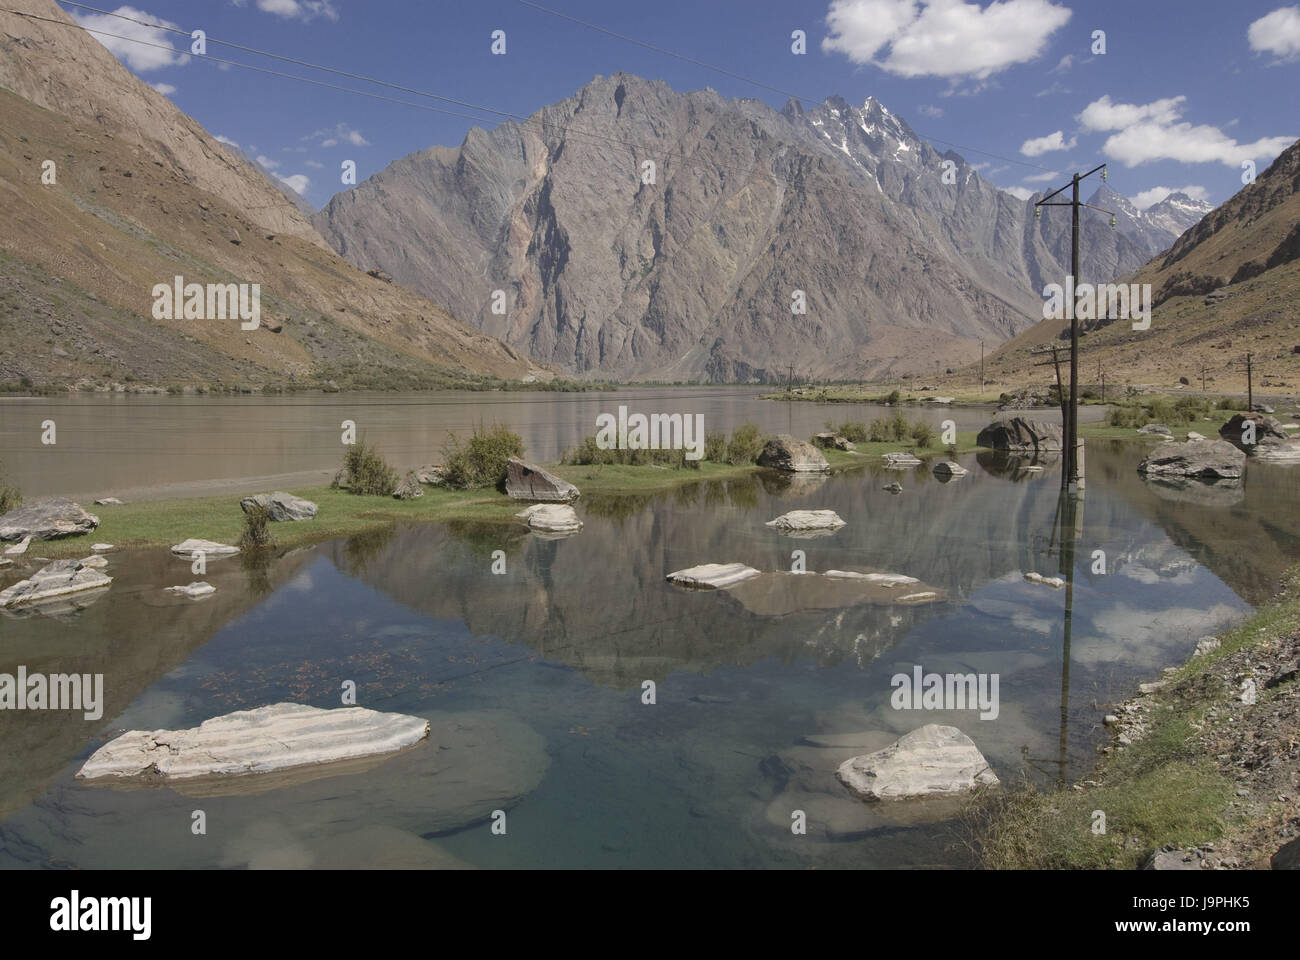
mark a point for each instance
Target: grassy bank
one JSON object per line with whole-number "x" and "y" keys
{"x": 1203, "y": 767}
{"x": 156, "y": 523}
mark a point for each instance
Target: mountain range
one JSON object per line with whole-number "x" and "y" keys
{"x": 1227, "y": 287}
{"x": 906, "y": 257}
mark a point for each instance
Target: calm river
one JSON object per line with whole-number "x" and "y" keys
{"x": 535, "y": 680}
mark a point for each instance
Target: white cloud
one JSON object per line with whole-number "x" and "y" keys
{"x": 267, "y": 162}
{"x": 1154, "y": 131}
{"x": 133, "y": 50}
{"x": 298, "y": 183}
{"x": 340, "y": 133}
{"x": 166, "y": 89}
{"x": 1103, "y": 114}
{"x": 926, "y": 110}
{"x": 227, "y": 141}
{"x": 1063, "y": 64}
{"x": 1020, "y": 193}
{"x": 1041, "y": 145}
{"x": 1277, "y": 33}
{"x": 1042, "y": 177}
{"x": 295, "y": 9}
{"x": 942, "y": 38}
{"x": 1148, "y": 197}
{"x": 313, "y": 163}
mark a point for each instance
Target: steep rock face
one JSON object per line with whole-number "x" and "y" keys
{"x": 693, "y": 276}
{"x": 65, "y": 70}
{"x": 143, "y": 194}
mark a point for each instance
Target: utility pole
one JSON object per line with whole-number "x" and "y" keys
{"x": 1250, "y": 388}
{"x": 981, "y": 366}
{"x": 1103, "y": 386}
{"x": 1202, "y": 378}
{"x": 1072, "y": 477}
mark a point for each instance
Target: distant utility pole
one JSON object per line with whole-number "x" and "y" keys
{"x": 1202, "y": 378}
{"x": 1072, "y": 476}
{"x": 981, "y": 366}
{"x": 1250, "y": 388}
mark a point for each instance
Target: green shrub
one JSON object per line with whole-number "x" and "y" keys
{"x": 878, "y": 432}
{"x": 922, "y": 433}
{"x": 899, "y": 428}
{"x": 853, "y": 431}
{"x": 745, "y": 445}
{"x": 10, "y": 497}
{"x": 715, "y": 447}
{"x": 365, "y": 472}
{"x": 256, "y": 536}
{"x": 481, "y": 460}
{"x": 893, "y": 397}
{"x": 1227, "y": 403}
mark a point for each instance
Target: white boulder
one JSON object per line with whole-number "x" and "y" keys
{"x": 267, "y": 739}
{"x": 551, "y": 518}
{"x": 713, "y": 575}
{"x": 933, "y": 761}
{"x": 208, "y": 548}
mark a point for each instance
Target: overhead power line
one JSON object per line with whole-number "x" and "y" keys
{"x": 493, "y": 110}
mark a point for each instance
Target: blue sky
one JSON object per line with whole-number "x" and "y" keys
{"x": 1186, "y": 90}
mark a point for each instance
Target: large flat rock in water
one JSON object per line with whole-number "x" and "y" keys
{"x": 1209, "y": 459}
{"x": 526, "y": 481}
{"x": 807, "y": 522}
{"x": 46, "y": 520}
{"x": 264, "y": 740}
{"x": 209, "y": 548}
{"x": 552, "y": 518}
{"x": 58, "y": 579}
{"x": 933, "y": 761}
{"x": 713, "y": 575}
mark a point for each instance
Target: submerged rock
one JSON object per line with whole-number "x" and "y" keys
{"x": 58, "y": 579}
{"x": 949, "y": 468}
{"x": 900, "y": 459}
{"x": 1054, "y": 582}
{"x": 713, "y": 575}
{"x": 894, "y": 487}
{"x": 551, "y": 518}
{"x": 108, "y": 502}
{"x": 46, "y": 520}
{"x": 1195, "y": 458}
{"x": 1021, "y": 434}
{"x": 281, "y": 506}
{"x": 934, "y": 760}
{"x": 208, "y": 548}
{"x": 784, "y": 452}
{"x": 807, "y": 522}
{"x": 880, "y": 579}
{"x": 199, "y": 588}
{"x": 264, "y": 740}
{"x": 525, "y": 481}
